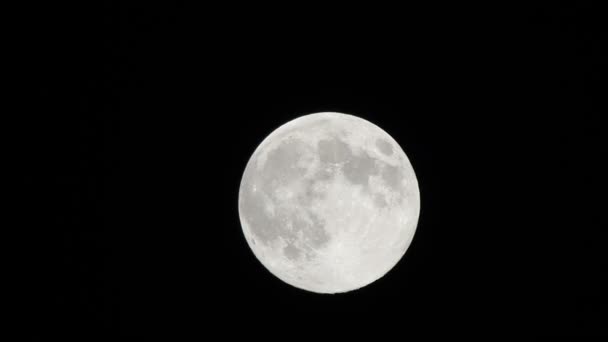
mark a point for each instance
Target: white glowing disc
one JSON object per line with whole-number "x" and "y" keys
{"x": 329, "y": 202}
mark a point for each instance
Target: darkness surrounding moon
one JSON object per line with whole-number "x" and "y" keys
{"x": 138, "y": 121}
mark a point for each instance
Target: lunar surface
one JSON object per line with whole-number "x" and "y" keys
{"x": 329, "y": 202}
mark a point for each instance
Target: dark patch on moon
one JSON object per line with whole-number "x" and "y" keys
{"x": 380, "y": 201}
{"x": 324, "y": 173}
{"x": 312, "y": 228}
{"x": 333, "y": 151}
{"x": 359, "y": 168}
{"x": 281, "y": 163}
{"x": 309, "y": 193}
{"x": 317, "y": 236}
{"x": 384, "y": 147}
{"x": 393, "y": 178}
{"x": 291, "y": 252}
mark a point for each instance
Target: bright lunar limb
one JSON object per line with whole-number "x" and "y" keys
{"x": 329, "y": 202}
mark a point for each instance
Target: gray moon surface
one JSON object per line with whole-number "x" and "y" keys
{"x": 329, "y": 202}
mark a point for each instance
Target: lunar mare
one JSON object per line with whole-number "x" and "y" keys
{"x": 329, "y": 202}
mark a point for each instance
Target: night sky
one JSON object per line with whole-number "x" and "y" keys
{"x": 142, "y": 120}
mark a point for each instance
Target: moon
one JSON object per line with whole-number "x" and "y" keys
{"x": 329, "y": 202}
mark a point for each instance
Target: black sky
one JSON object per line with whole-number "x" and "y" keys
{"x": 153, "y": 112}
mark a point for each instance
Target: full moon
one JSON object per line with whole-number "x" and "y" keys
{"x": 329, "y": 202}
